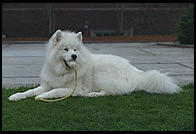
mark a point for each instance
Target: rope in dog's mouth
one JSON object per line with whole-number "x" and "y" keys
{"x": 75, "y": 78}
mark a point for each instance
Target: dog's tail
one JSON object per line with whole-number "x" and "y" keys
{"x": 156, "y": 82}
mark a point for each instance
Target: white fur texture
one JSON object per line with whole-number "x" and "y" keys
{"x": 98, "y": 74}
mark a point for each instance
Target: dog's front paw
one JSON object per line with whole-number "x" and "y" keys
{"x": 16, "y": 97}
{"x": 42, "y": 96}
{"x": 38, "y": 97}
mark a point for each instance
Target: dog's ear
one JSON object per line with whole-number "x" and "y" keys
{"x": 57, "y": 36}
{"x": 79, "y": 36}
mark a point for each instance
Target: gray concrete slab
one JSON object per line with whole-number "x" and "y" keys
{"x": 22, "y": 63}
{"x": 21, "y": 60}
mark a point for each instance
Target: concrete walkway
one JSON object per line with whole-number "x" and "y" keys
{"x": 22, "y": 63}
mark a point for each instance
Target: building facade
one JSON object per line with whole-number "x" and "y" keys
{"x": 93, "y": 19}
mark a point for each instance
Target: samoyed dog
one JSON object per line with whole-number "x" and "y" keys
{"x": 98, "y": 74}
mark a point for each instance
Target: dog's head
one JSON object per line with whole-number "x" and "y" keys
{"x": 64, "y": 49}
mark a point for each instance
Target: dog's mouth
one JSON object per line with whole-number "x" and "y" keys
{"x": 67, "y": 66}
{"x": 70, "y": 64}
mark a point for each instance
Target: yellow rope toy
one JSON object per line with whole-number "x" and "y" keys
{"x": 75, "y": 78}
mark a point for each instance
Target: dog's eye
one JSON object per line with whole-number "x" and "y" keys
{"x": 66, "y": 49}
{"x": 75, "y": 50}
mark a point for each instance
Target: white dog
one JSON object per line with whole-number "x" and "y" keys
{"x": 98, "y": 74}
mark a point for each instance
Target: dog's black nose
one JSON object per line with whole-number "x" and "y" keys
{"x": 73, "y": 56}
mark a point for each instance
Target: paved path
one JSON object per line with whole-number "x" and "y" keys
{"x": 22, "y": 63}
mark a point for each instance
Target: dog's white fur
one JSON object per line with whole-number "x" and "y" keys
{"x": 98, "y": 74}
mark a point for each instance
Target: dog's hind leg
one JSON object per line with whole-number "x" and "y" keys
{"x": 28, "y": 93}
{"x": 96, "y": 94}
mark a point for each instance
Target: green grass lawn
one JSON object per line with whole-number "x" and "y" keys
{"x": 139, "y": 111}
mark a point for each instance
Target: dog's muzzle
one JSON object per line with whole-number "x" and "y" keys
{"x": 74, "y": 56}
